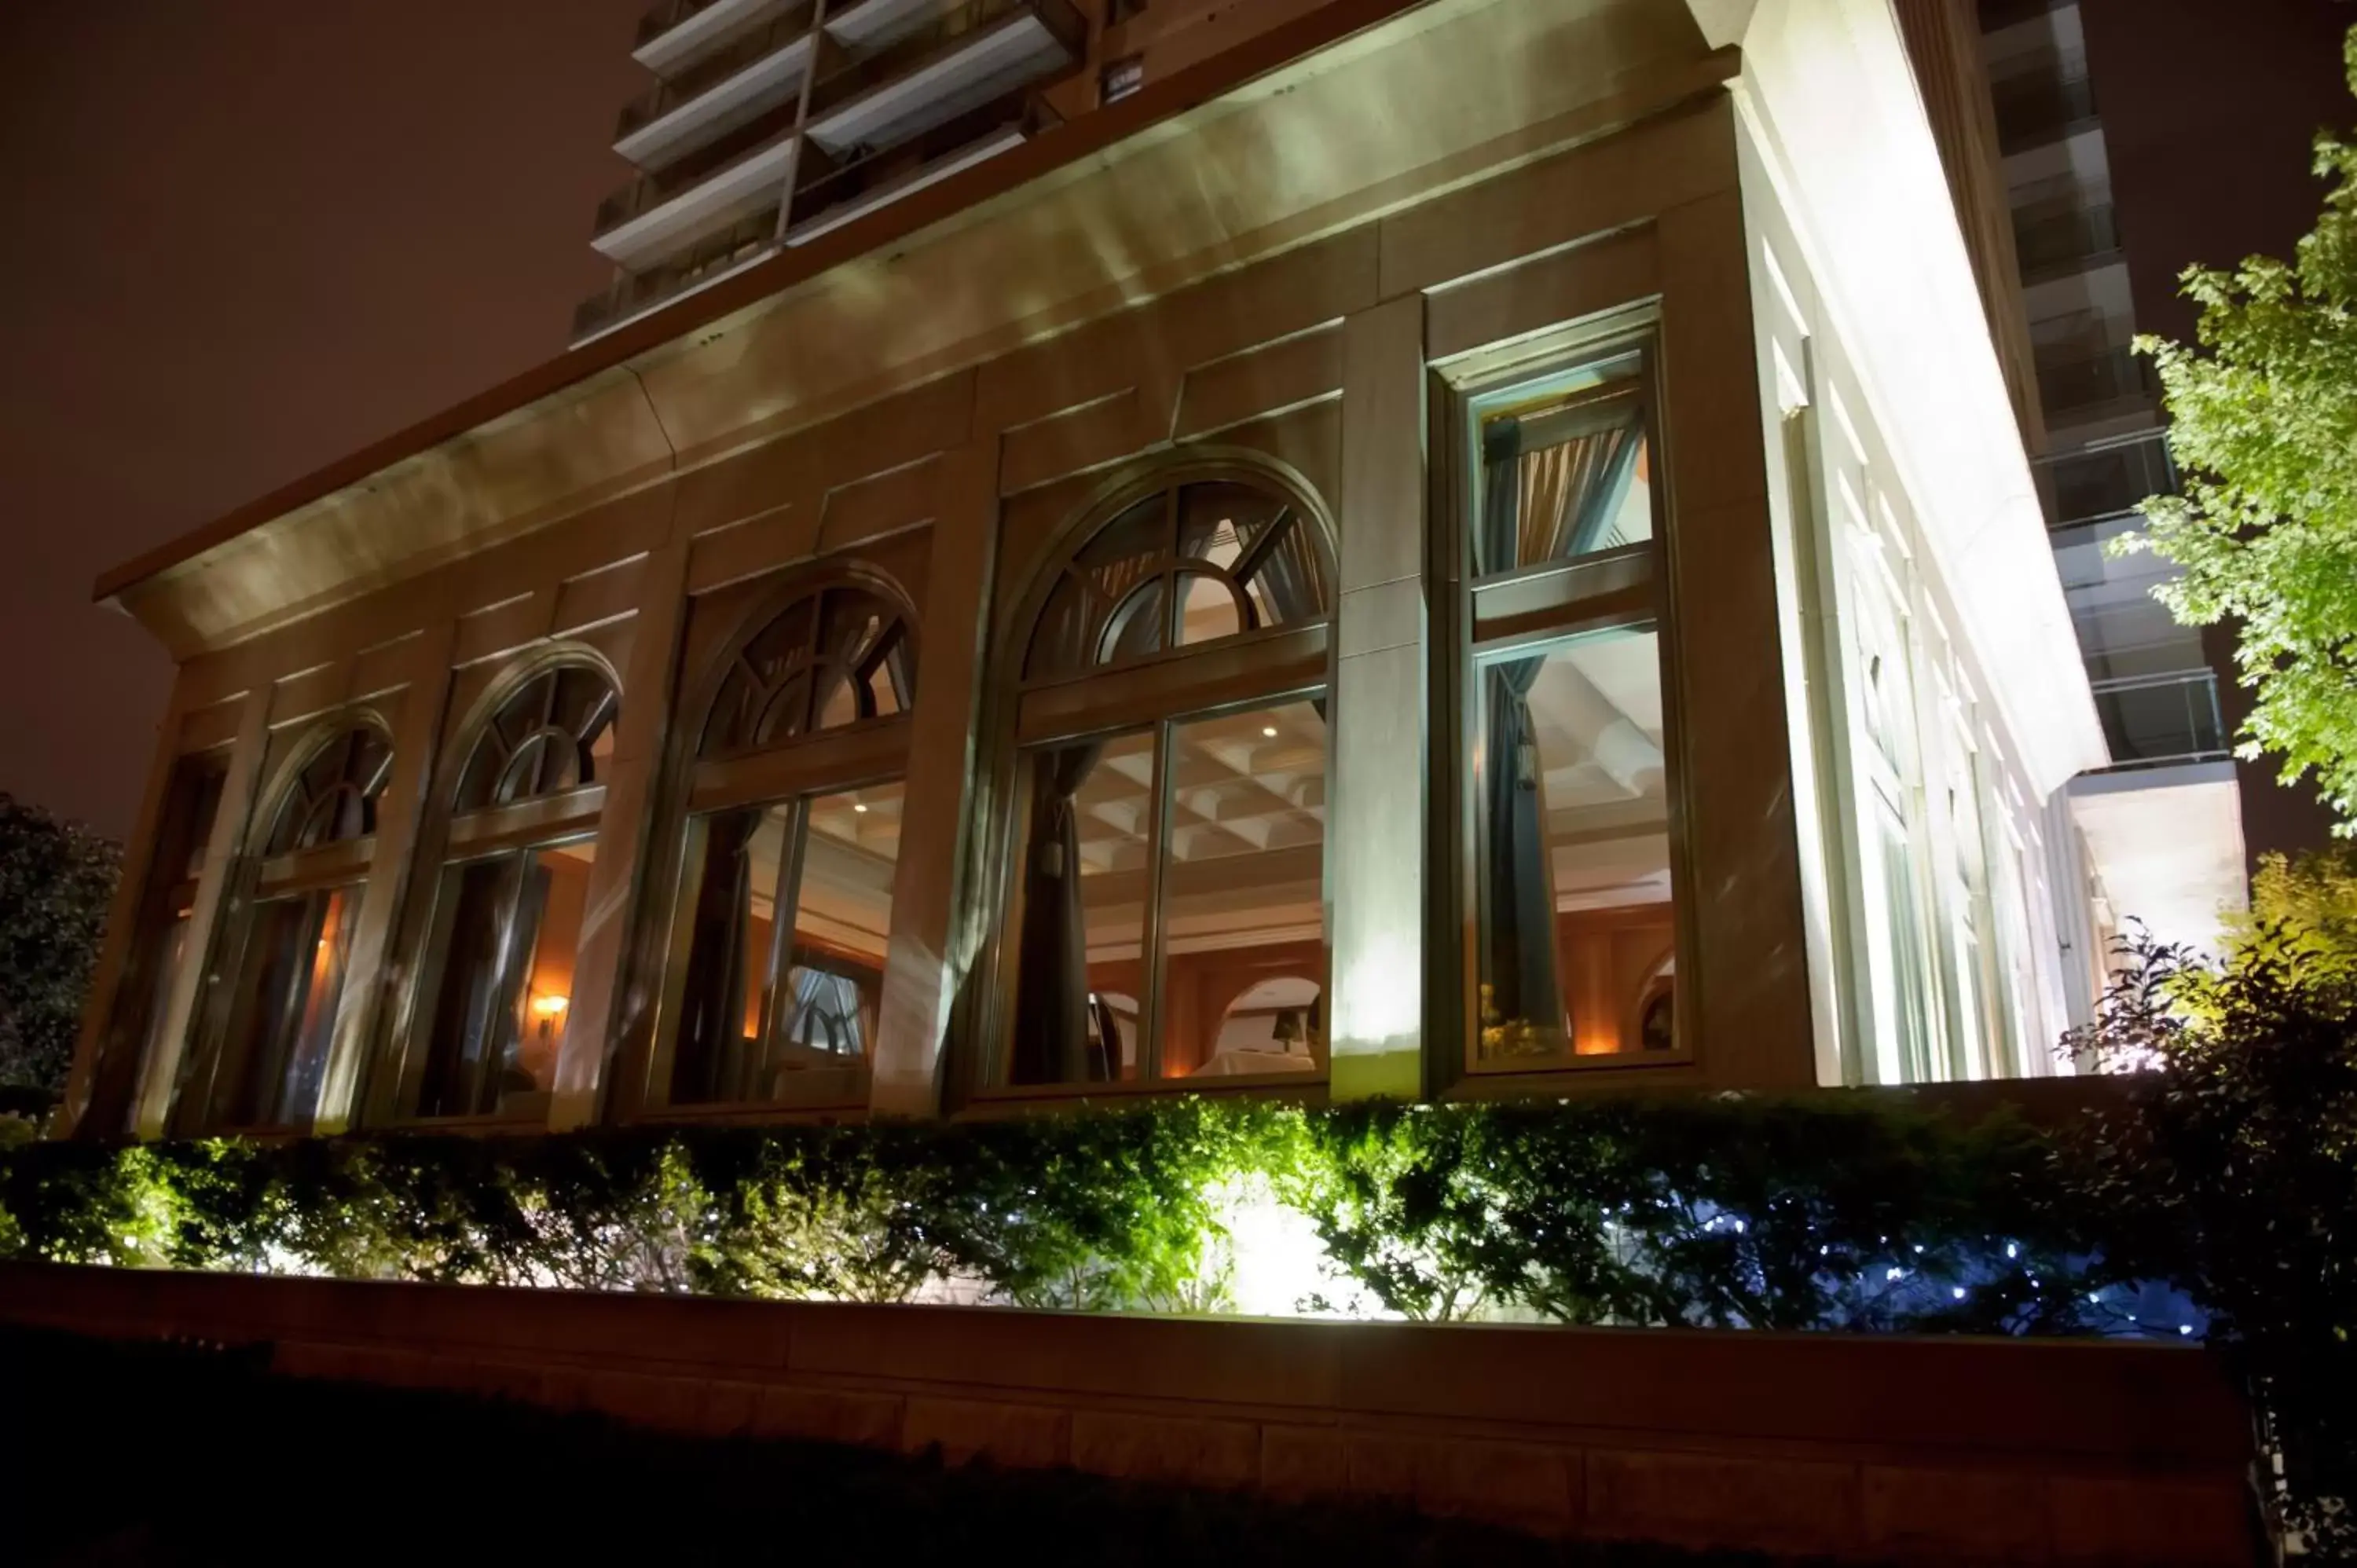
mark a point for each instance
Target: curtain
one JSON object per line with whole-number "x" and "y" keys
{"x": 712, "y": 993}
{"x": 1051, "y": 991}
{"x": 1288, "y": 580}
{"x": 1559, "y": 501}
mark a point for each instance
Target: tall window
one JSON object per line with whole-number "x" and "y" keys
{"x": 274, "y": 1051}
{"x": 1570, "y": 784}
{"x": 776, "y": 973}
{"x": 159, "y": 947}
{"x": 496, "y": 986}
{"x": 1166, "y": 914}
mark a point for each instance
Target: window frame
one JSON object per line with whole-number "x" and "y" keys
{"x": 791, "y": 772}
{"x": 1479, "y": 618}
{"x": 265, "y": 879}
{"x": 1155, "y": 692}
{"x": 515, "y": 829}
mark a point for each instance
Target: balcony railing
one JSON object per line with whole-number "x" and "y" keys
{"x": 2035, "y": 110}
{"x": 2054, "y": 242}
{"x": 2089, "y": 383}
{"x": 665, "y": 15}
{"x": 878, "y": 177}
{"x": 707, "y": 259}
{"x": 781, "y": 32}
{"x": 870, "y": 69}
{"x": 2162, "y": 718}
{"x": 707, "y": 162}
{"x": 2104, "y": 481}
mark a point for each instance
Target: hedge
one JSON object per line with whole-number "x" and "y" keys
{"x": 1830, "y": 1212}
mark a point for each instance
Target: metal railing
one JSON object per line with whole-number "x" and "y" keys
{"x": 856, "y": 74}
{"x": 2035, "y": 110}
{"x": 908, "y": 159}
{"x": 2107, "y": 481}
{"x": 710, "y": 71}
{"x": 715, "y": 157}
{"x": 640, "y": 291}
{"x": 665, "y": 15}
{"x": 2162, "y": 718}
{"x": 2082, "y": 382}
{"x": 2050, "y": 244}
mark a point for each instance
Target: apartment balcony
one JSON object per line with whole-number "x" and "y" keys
{"x": 2104, "y": 482}
{"x": 2054, "y": 242}
{"x": 707, "y": 261}
{"x": 2038, "y": 109}
{"x": 897, "y": 82}
{"x": 674, "y": 32}
{"x": 758, "y": 69}
{"x": 2082, "y": 387}
{"x": 2162, "y": 719}
{"x": 709, "y": 188}
{"x": 830, "y": 198}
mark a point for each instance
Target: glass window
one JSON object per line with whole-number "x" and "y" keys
{"x": 1572, "y": 799}
{"x": 275, "y": 1055}
{"x": 495, "y": 983}
{"x": 1564, "y": 472}
{"x": 271, "y": 1057}
{"x": 788, "y": 910}
{"x": 782, "y": 916}
{"x": 1569, "y": 782}
{"x": 508, "y": 930}
{"x": 1167, "y": 913}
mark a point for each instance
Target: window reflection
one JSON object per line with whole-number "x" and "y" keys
{"x": 788, "y": 911}
{"x": 1229, "y": 811}
{"x": 509, "y": 930}
{"x": 1572, "y": 797}
{"x": 275, "y": 1058}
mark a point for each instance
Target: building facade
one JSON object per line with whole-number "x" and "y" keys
{"x": 1334, "y": 548}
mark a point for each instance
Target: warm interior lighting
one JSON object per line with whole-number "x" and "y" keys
{"x": 550, "y": 1006}
{"x": 1269, "y": 730}
{"x": 859, "y": 806}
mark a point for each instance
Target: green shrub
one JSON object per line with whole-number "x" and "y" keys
{"x": 1832, "y": 1212}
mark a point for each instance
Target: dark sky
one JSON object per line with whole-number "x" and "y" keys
{"x": 239, "y": 238}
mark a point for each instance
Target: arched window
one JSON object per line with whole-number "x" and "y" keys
{"x": 298, "y": 935}
{"x": 496, "y": 985}
{"x": 1170, "y": 765}
{"x": 775, "y": 973}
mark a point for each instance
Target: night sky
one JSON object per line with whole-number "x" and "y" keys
{"x": 243, "y": 238}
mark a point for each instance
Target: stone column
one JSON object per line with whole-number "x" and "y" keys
{"x": 927, "y": 957}
{"x": 161, "y": 1072}
{"x": 370, "y": 977}
{"x": 593, "y": 1026}
{"x": 1375, "y": 818}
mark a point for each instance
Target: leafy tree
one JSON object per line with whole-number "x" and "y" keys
{"x": 2232, "y": 1171}
{"x": 2303, "y": 910}
{"x": 55, "y": 881}
{"x": 2264, "y": 427}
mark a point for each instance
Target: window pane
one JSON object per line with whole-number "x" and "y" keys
{"x": 506, "y": 931}
{"x": 1080, "y": 920}
{"x": 1243, "y": 891}
{"x": 1206, "y": 608}
{"x": 1571, "y": 789}
{"x": 1564, "y": 473}
{"x": 275, "y": 1054}
{"x": 729, "y": 906}
{"x": 843, "y": 915}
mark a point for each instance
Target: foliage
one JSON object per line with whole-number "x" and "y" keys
{"x": 2302, "y": 910}
{"x": 2234, "y": 1171}
{"x": 55, "y": 881}
{"x": 1835, "y": 1212}
{"x": 2264, "y": 427}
